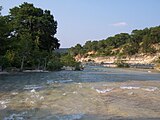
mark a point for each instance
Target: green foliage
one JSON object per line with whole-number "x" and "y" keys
{"x": 27, "y": 38}
{"x": 155, "y": 35}
{"x": 120, "y": 39}
{"x": 68, "y": 60}
{"x": 105, "y": 51}
{"x": 54, "y": 64}
{"x": 38, "y": 23}
{"x": 4, "y": 62}
{"x": 130, "y": 49}
{"x": 91, "y": 46}
{"x": 76, "y": 50}
{"x": 4, "y": 31}
{"x": 122, "y": 64}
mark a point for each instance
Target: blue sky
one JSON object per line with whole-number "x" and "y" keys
{"x": 83, "y": 20}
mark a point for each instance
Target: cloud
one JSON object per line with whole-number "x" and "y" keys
{"x": 119, "y": 24}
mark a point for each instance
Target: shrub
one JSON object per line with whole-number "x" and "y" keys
{"x": 68, "y": 60}
{"x": 121, "y": 64}
{"x": 53, "y": 65}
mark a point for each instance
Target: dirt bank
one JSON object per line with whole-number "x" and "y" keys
{"x": 140, "y": 60}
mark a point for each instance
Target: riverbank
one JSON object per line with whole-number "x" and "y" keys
{"x": 136, "y": 61}
{"x": 25, "y": 71}
{"x": 1, "y": 73}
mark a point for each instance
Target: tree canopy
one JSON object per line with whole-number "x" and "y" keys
{"x": 27, "y": 37}
{"x": 40, "y": 25}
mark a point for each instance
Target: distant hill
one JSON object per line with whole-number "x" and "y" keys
{"x": 62, "y": 50}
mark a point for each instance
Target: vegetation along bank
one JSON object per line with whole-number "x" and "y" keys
{"x": 140, "y": 49}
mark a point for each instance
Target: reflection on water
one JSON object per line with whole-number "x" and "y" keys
{"x": 95, "y": 93}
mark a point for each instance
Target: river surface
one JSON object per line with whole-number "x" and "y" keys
{"x": 96, "y": 93}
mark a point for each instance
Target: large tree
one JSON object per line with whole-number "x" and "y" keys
{"x": 4, "y": 32}
{"x": 33, "y": 30}
{"x": 41, "y": 25}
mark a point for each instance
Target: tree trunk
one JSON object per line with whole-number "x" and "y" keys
{"x": 38, "y": 64}
{"x": 22, "y": 63}
{"x": 45, "y": 63}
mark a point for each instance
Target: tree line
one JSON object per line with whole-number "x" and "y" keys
{"x": 27, "y": 39}
{"x": 123, "y": 44}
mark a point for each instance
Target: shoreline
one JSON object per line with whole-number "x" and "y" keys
{"x": 25, "y": 71}
{"x": 3, "y": 73}
{"x": 138, "y": 61}
{"x": 149, "y": 70}
{"x": 135, "y": 59}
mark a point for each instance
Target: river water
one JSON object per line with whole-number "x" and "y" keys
{"x": 96, "y": 93}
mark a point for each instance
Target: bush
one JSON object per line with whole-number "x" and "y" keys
{"x": 121, "y": 64}
{"x": 4, "y": 62}
{"x": 68, "y": 60}
{"x": 53, "y": 65}
{"x": 78, "y": 66}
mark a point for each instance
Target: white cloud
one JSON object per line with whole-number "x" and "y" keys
{"x": 119, "y": 24}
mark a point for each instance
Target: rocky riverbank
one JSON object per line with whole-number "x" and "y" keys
{"x": 136, "y": 61}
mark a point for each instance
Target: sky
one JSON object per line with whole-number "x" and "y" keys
{"x": 83, "y": 20}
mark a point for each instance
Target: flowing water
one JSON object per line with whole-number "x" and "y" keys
{"x": 96, "y": 93}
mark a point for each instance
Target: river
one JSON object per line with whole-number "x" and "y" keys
{"x": 96, "y": 93}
